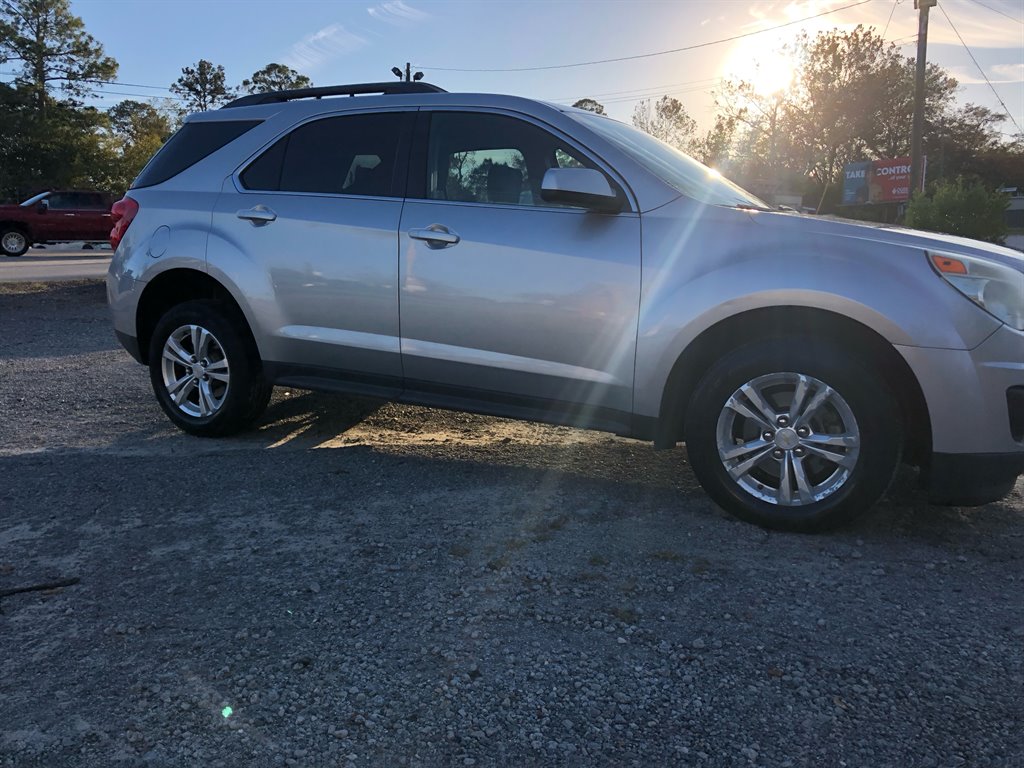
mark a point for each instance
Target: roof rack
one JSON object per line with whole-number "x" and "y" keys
{"x": 388, "y": 89}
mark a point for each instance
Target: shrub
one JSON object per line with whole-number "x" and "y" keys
{"x": 960, "y": 208}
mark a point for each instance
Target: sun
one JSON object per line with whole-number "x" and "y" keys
{"x": 768, "y": 70}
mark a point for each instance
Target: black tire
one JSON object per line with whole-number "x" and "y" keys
{"x": 246, "y": 393}
{"x": 854, "y": 391}
{"x": 14, "y": 241}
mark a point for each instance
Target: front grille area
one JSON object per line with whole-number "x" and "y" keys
{"x": 1015, "y": 404}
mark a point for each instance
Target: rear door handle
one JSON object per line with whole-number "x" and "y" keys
{"x": 435, "y": 236}
{"x": 258, "y": 216}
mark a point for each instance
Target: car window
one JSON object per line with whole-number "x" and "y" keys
{"x": 62, "y": 201}
{"x": 486, "y": 158}
{"x": 92, "y": 201}
{"x": 348, "y": 155}
{"x": 193, "y": 142}
{"x": 675, "y": 168}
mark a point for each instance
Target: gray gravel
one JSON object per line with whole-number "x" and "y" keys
{"x": 375, "y": 585}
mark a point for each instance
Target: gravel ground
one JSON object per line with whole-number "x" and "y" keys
{"x": 354, "y": 583}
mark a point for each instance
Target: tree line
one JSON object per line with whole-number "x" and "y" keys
{"x": 49, "y": 138}
{"x": 851, "y": 98}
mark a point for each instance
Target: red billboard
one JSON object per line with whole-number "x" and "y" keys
{"x": 879, "y": 181}
{"x": 890, "y": 180}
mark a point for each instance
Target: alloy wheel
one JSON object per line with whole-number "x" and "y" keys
{"x": 195, "y": 371}
{"x": 788, "y": 439}
{"x": 14, "y": 242}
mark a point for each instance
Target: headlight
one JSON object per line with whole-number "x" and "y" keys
{"x": 995, "y": 287}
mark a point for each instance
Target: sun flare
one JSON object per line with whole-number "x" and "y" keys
{"x": 767, "y": 70}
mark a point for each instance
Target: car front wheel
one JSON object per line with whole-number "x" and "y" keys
{"x": 13, "y": 242}
{"x": 793, "y": 434}
{"x": 205, "y": 370}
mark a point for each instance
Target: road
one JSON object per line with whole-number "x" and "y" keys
{"x": 355, "y": 583}
{"x": 54, "y": 263}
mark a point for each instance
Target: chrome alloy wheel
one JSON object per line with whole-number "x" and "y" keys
{"x": 195, "y": 371}
{"x": 14, "y": 242}
{"x": 788, "y": 439}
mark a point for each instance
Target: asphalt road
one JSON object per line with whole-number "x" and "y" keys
{"x": 357, "y": 583}
{"x": 55, "y": 263}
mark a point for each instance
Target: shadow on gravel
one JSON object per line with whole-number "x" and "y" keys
{"x": 333, "y": 431}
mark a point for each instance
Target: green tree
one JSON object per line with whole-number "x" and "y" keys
{"x": 960, "y": 208}
{"x": 139, "y": 130}
{"x": 202, "y": 87}
{"x": 715, "y": 148}
{"x": 275, "y": 77}
{"x": 50, "y": 47}
{"x": 134, "y": 120}
{"x": 68, "y": 147}
{"x": 590, "y": 105}
{"x": 667, "y": 120}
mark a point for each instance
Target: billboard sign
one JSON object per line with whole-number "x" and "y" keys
{"x": 855, "y": 183}
{"x": 878, "y": 181}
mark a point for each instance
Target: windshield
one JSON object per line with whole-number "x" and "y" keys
{"x": 675, "y": 168}
{"x": 34, "y": 199}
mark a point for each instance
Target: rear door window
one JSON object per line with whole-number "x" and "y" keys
{"x": 346, "y": 155}
{"x": 188, "y": 146}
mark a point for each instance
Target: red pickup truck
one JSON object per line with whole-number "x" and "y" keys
{"x": 59, "y": 216}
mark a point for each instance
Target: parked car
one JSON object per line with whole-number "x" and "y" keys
{"x": 58, "y": 216}
{"x": 500, "y": 255}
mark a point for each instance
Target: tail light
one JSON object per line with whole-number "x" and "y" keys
{"x": 122, "y": 213}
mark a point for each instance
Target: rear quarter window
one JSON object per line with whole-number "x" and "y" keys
{"x": 188, "y": 146}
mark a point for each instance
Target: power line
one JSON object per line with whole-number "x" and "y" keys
{"x": 996, "y": 10}
{"x": 107, "y": 82}
{"x": 982, "y": 71}
{"x": 891, "y": 12}
{"x": 646, "y": 55}
{"x": 642, "y": 96}
{"x": 701, "y": 82}
{"x": 128, "y": 85}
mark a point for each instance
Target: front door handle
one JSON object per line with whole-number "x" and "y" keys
{"x": 435, "y": 236}
{"x": 258, "y": 216}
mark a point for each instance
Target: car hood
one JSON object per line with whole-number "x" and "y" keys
{"x": 9, "y": 208}
{"x": 889, "y": 234}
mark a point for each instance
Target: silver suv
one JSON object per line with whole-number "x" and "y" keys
{"x": 501, "y": 255}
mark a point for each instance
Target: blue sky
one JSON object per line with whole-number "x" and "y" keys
{"x": 342, "y": 42}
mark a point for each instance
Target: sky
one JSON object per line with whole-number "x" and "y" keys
{"x": 333, "y": 41}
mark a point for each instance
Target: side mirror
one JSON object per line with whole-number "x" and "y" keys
{"x": 43, "y": 207}
{"x": 580, "y": 187}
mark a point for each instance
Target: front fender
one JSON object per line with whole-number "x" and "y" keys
{"x": 703, "y": 265}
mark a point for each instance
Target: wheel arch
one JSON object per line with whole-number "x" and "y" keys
{"x": 174, "y": 287}
{"x": 772, "y": 322}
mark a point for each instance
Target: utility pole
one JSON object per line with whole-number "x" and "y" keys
{"x": 916, "y": 161}
{"x": 408, "y": 75}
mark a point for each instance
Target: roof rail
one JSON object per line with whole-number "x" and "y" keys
{"x": 388, "y": 89}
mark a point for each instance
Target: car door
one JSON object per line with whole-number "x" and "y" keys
{"x": 505, "y": 297}
{"x": 92, "y": 217}
{"x": 309, "y": 230}
{"x": 59, "y": 220}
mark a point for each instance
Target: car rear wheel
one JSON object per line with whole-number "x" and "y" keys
{"x": 793, "y": 434}
{"x": 205, "y": 370}
{"x": 13, "y": 242}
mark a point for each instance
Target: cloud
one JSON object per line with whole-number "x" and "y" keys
{"x": 323, "y": 45}
{"x": 396, "y": 12}
{"x": 998, "y": 73}
{"x": 1013, "y": 73}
